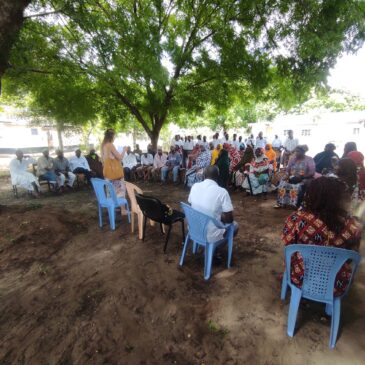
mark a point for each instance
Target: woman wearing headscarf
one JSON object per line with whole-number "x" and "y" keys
{"x": 258, "y": 174}
{"x": 299, "y": 172}
{"x": 349, "y": 147}
{"x": 234, "y": 156}
{"x": 271, "y": 155}
{"x": 223, "y": 163}
{"x": 248, "y": 157}
{"x": 351, "y": 170}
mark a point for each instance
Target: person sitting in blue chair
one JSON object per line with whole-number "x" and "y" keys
{"x": 211, "y": 199}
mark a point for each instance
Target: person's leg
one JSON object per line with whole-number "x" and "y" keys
{"x": 127, "y": 174}
{"x": 175, "y": 173}
{"x": 139, "y": 172}
{"x": 61, "y": 178}
{"x": 164, "y": 172}
{"x": 71, "y": 177}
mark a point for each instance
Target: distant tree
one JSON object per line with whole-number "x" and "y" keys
{"x": 161, "y": 58}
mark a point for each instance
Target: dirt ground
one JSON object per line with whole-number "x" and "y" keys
{"x": 72, "y": 293}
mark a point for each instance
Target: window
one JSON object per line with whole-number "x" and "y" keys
{"x": 306, "y": 132}
{"x": 356, "y": 131}
{"x": 34, "y": 131}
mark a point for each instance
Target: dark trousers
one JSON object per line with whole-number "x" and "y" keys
{"x": 81, "y": 170}
{"x": 128, "y": 173}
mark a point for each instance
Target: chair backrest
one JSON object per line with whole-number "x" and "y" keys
{"x": 151, "y": 207}
{"x": 104, "y": 191}
{"x": 321, "y": 265}
{"x": 197, "y": 223}
{"x": 131, "y": 191}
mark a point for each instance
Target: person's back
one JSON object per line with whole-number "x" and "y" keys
{"x": 209, "y": 198}
{"x": 323, "y": 222}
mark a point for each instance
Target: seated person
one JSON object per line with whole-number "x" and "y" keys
{"x": 158, "y": 162}
{"x": 172, "y": 164}
{"x": 45, "y": 170}
{"x": 211, "y": 199}
{"x": 195, "y": 173}
{"x": 323, "y": 160}
{"x": 19, "y": 174}
{"x": 324, "y": 221}
{"x": 138, "y": 153}
{"x": 257, "y": 176}
{"x": 298, "y": 174}
{"x": 79, "y": 165}
{"x": 63, "y": 171}
{"x": 129, "y": 164}
{"x": 146, "y": 162}
{"x": 95, "y": 163}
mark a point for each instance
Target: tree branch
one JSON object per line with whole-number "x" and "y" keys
{"x": 43, "y": 14}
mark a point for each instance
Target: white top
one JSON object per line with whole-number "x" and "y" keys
{"x": 210, "y": 199}
{"x": 290, "y": 144}
{"x": 276, "y": 143}
{"x": 147, "y": 160}
{"x": 250, "y": 141}
{"x": 236, "y": 144}
{"x": 215, "y": 142}
{"x": 19, "y": 168}
{"x": 260, "y": 143}
{"x": 79, "y": 162}
{"x": 129, "y": 160}
{"x": 188, "y": 146}
{"x": 159, "y": 161}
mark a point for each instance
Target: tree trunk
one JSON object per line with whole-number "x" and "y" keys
{"x": 60, "y": 140}
{"x": 154, "y": 139}
{"x": 11, "y": 20}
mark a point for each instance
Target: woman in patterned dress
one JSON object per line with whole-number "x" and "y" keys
{"x": 299, "y": 172}
{"x": 324, "y": 221}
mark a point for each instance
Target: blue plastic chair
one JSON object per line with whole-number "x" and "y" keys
{"x": 107, "y": 198}
{"x": 197, "y": 225}
{"x": 322, "y": 263}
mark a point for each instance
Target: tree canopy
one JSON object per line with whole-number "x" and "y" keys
{"x": 158, "y": 59}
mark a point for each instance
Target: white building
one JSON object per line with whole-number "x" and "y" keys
{"x": 318, "y": 128}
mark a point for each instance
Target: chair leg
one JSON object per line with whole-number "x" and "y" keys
{"x": 335, "y": 322}
{"x": 284, "y": 286}
{"x": 183, "y": 230}
{"x": 132, "y": 222}
{"x": 195, "y": 247}
{"x": 100, "y": 217}
{"x": 144, "y": 227}
{"x": 186, "y": 243}
{"x": 167, "y": 238}
{"x": 329, "y": 309}
{"x": 140, "y": 225}
{"x": 162, "y": 232}
{"x": 208, "y": 261}
{"x": 128, "y": 212}
{"x": 296, "y": 295}
{"x": 111, "y": 212}
{"x": 230, "y": 245}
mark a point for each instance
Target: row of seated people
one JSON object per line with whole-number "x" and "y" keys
{"x": 58, "y": 172}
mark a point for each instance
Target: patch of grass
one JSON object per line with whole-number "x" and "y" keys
{"x": 217, "y": 329}
{"x": 34, "y": 206}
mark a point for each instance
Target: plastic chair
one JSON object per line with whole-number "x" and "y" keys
{"x": 107, "y": 198}
{"x": 198, "y": 224}
{"x": 322, "y": 263}
{"x": 135, "y": 209}
{"x": 153, "y": 209}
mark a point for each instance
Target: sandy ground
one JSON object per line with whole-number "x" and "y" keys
{"x": 72, "y": 293}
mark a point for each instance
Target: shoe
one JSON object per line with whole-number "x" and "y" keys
{"x": 277, "y": 206}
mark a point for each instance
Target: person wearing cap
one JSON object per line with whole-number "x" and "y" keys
{"x": 63, "y": 170}
{"x": 79, "y": 165}
{"x": 45, "y": 169}
{"x": 323, "y": 160}
{"x": 146, "y": 162}
{"x": 299, "y": 173}
{"x": 19, "y": 174}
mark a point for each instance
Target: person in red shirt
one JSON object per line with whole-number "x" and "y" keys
{"x": 324, "y": 221}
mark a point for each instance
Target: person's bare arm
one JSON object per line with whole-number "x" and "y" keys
{"x": 227, "y": 217}
{"x": 116, "y": 154}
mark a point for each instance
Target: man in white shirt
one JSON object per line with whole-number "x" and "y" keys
{"x": 188, "y": 146}
{"x": 63, "y": 170}
{"x": 146, "y": 162}
{"x": 159, "y": 161}
{"x": 215, "y": 140}
{"x": 250, "y": 141}
{"x": 19, "y": 174}
{"x": 209, "y": 198}
{"x": 45, "y": 170}
{"x": 260, "y": 141}
{"x": 79, "y": 165}
{"x": 235, "y": 142}
{"x": 129, "y": 164}
{"x": 289, "y": 146}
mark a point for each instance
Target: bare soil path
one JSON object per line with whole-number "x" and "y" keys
{"x": 71, "y": 293}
